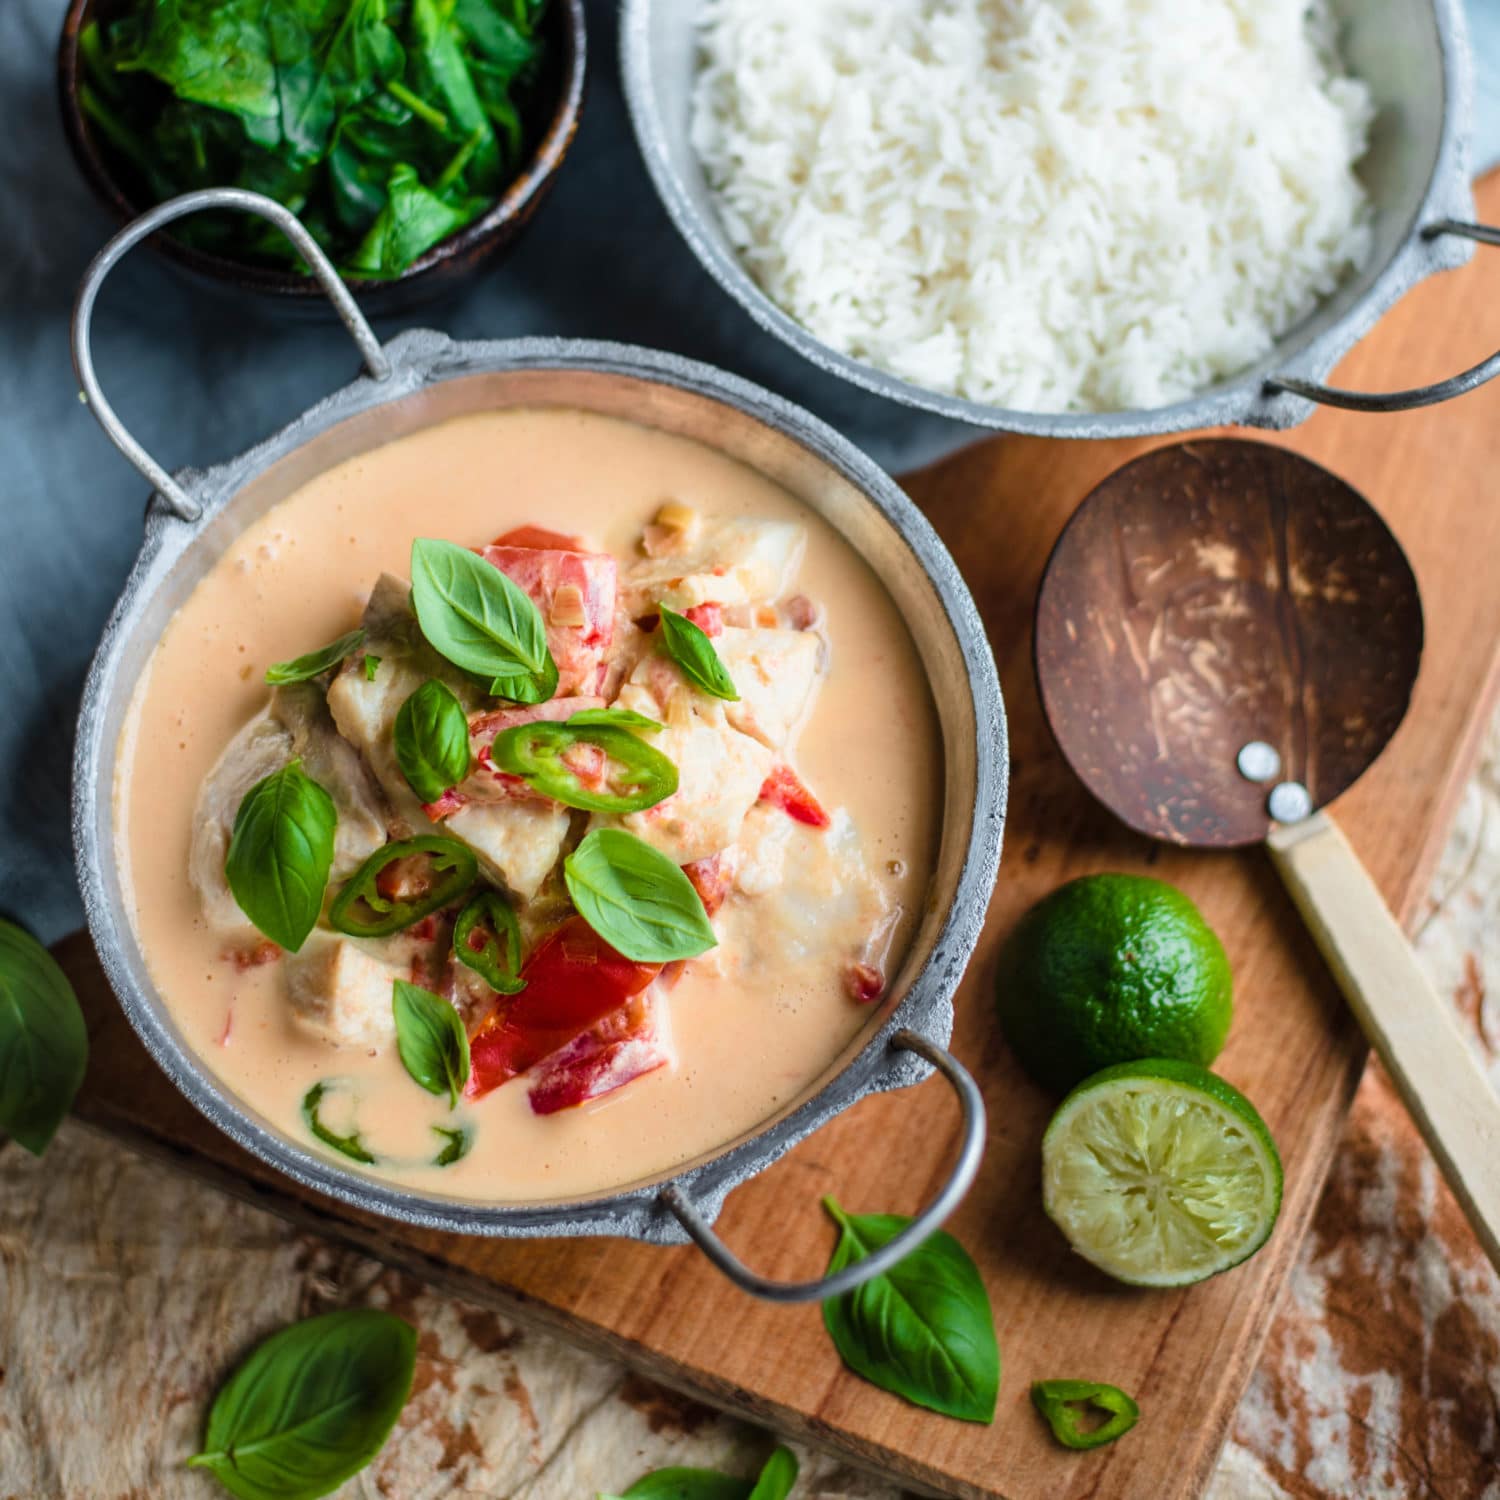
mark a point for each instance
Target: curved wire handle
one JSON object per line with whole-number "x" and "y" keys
{"x": 1422, "y": 395}
{"x": 878, "y": 1261}
{"x": 174, "y": 496}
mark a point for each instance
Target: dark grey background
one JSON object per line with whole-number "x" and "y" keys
{"x": 198, "y": 378}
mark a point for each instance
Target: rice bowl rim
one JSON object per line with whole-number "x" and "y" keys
{"x": 1432, "y": 239}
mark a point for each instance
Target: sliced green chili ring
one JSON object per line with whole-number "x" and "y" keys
{"x": 497, "y": 960}
{"x": 361, "y": 911}
{"x": 351, "y": 1145}
{"x": 640, "y": 772}
{"x": 1058, "y": 1402}
{"x": 457, "y": 1148}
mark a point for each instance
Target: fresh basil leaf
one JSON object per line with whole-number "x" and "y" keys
{"x": 1059, "y": 1401}
{"x": 923, "y": 1330}
{"x": 315, "y": 663}
{"x": 372, "y": 666}
{"x": 432, "y": 740}
{"x": 351, "y": 1145}
{"x": 636, "y": 899}
{"x": 280, "y": 854}
{"x": 777, "y": 1477}
{"x": 688, "y": 1484}
{"x": 431, "y": 1039}
{"x": 457, "y": 1148}
{"x": 694, "y": 653}
{"x": 43, "y": 1044}
{"x": 473, "y": 615}
{"x": 311, "y": 1406}
{"x": 619, "y": 718}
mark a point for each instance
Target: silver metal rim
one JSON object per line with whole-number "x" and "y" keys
{"x": 1277, "y": 392}
{"x": 926, "y": 1009}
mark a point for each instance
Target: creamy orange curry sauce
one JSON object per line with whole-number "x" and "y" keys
{"x": 805, "y": 814}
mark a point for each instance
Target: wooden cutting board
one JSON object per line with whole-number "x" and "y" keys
{"x": 1185, "y": 1355}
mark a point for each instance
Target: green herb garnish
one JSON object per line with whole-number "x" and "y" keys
{"x": 311, "y": 1406}
{"x": 351, "y": 1145}
{"x": 431, "y": 1039}
{"x": 473, "y": 615}
{"x": 636, "y": 899}
{"x": 44, "y": 1047}
{"x": 444, "y": 871}
{"x": 774, "y": 1482}
{"x": 1063, "y": 1402}
{"x": 315, "y": 663}
{"x": 384, "y": 127}
{"x": 280, "y": 854}
{"x": 458, "y": 1143}
{"x": 694, "y": 654}
{"x": 487, "y": 939}
{"x": 432, "y": 740}
{"x": 924, "y": 1329}
{"x": 636, "y": 775}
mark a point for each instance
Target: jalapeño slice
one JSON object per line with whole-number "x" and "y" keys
{"x": 402, "y": 883}
{"x": 625, "y": 775}
{"x": 487, "y": 938}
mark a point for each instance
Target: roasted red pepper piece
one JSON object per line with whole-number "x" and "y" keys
{"x": 712, "y": 878}
{"x": 539, "y": 537}
{"x": 783, "y": 788}
{"x": 624, "y": 1046}
{"x": 709, "y": 618}
{"x": 573, "y": 980}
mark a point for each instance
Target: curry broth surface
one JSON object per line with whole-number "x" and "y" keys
{"x": 300, "y": 576}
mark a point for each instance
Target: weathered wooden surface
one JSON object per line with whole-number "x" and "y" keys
{"x": 126, "y": 1291}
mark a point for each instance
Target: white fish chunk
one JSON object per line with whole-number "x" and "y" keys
{"x": 731, "y": 561}
{"x": 774, "y": 672}
{"x": 517, "y": 842}
{"x": 719, "y": 776}
{"x": 342, "y": 991}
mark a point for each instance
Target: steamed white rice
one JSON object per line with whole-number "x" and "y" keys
{"x": 1049, "y": 205}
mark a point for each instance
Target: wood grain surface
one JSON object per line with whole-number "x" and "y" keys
{"x": 1185, "y": 1355}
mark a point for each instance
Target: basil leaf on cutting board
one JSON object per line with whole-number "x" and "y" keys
{"x": 694, "y": 654}
{"x": 774, "y": 1483}
{"x": 280, "y": 854}
{"x": 351, "y": 1145}
{"x": 431, "y": 1039}
{"x": 43, "y": 1044}
{"x": 473, "y": 615}
{"x": 924, "y": 1330}
{"x": 432, "y": 740}
{"x": 315, "y": 663}
{"x": 636, "y": 899}
{"x": 311, "y": 1406}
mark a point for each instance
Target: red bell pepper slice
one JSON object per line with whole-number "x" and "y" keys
{"x": 540, "y": 538}
{"x": 783, "y": 788}
{"x": 624, "y": 1046}
{"x": 573, "y": 980}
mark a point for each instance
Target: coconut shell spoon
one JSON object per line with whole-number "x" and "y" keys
{"x": 1227, "y": 636}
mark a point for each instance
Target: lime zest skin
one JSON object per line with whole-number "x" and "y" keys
{"x": 1160, "y": 1173}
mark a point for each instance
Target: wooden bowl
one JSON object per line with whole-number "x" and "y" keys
{"x": 443, "y": 268}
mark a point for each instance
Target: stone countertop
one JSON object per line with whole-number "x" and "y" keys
{"x": 127, "y": 1292}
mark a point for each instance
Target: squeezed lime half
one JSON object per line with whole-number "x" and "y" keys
{"x": 1160, "y": 1173}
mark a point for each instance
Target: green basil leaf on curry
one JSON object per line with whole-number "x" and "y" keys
{"x": 315, "y": 663}
{"x": 692, "y": 650}
{"x": 280, "y": 854}
{"x": 432, "y": 740}
{"x": 431, "y": 1040}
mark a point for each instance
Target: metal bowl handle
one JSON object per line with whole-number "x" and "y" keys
{"x": 959, "y": 1179}
{"x": 173, "y": 495}
{"x": 1422, "y": 395}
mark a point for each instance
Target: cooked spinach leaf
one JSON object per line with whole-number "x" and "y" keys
{"x": 386, "y": 125}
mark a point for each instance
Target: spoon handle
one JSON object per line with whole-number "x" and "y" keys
{"x": 1402, "y": 1016}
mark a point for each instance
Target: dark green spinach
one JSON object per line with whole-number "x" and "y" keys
{"x": 43, "y": 1045}
{"x": 924, "y": 1329}
{"x": 386, "y": 125}
{"x": 311, "y": 1406}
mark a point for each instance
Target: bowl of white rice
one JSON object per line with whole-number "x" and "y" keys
{"x": 1074, "y": 218}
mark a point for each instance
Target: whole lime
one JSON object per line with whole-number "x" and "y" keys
{"x": 1108, "y": 969}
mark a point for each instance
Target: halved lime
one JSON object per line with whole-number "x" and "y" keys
{"x": 1160, "y": 1173}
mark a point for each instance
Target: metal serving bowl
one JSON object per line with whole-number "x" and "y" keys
{"x": 422, "y": 378}
{"x": 552, "y": 120}
{"x": 1414, "y": 56}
